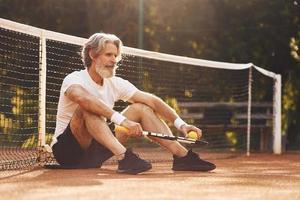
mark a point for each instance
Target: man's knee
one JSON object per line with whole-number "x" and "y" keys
{"x": 87, "y": 115}
{"x": 141, "y": 108}
{"x": 83, "y": 114}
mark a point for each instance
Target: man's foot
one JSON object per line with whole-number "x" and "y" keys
{"x": 191, "y": 162}
{"x": 132, "y": 164}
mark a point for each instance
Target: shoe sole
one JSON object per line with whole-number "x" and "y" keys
{"x": 194, "y": 168}
{"x": 134, "y": 171}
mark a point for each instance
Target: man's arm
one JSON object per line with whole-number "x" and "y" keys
{"x": 92, "y": 104}
{"x": 88, "y": 101}
{"x": 162, "y": 109}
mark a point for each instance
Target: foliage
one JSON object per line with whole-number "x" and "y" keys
{"x": 290, "y": 97}
{"x": 294, "y": 44}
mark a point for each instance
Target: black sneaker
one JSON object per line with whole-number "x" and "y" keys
{"x": 191, "y": 162}
{"x": 132, "y": 164}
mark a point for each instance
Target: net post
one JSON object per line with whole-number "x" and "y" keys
{"x": 249, "y": 110}
{"x": 42, "y": 92}
{"x": 277, "y": 115}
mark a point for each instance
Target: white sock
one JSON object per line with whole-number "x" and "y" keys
{"x": 120, "y": 156}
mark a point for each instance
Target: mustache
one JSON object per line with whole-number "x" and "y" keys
{"x": 111, "y": 66}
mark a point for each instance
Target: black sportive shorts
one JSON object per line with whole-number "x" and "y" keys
{"x": 69, "y": 154}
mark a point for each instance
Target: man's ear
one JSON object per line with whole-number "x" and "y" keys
{"x": 92, "y": 54}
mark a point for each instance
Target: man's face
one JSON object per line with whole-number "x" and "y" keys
{"x": 105, "y": 62}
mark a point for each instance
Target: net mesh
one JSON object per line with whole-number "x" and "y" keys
{"x": 202, "y": 96}
{"x": 261, "y": 112}
{"x": 216, "y": 100}
{"x": 19, "y": 72}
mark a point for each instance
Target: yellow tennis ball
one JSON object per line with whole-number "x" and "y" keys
{"x": 193, "y": 135}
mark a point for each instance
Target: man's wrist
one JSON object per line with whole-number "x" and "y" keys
{"x": 178, "y": 123}
{"x": 117, "y": 118}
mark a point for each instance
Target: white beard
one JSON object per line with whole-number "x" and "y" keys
{"x": 105, "y": 72}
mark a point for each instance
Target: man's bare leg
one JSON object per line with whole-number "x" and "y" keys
{"x": 149, "y": 120}
{"x": 85, "y": 126}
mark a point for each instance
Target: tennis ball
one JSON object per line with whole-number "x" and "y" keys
{"x": 192, "y": 135}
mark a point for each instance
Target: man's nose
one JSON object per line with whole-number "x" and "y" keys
{"x": 114, "y": 59}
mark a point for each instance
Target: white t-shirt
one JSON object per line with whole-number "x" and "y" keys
{"x": 112, "y": 90}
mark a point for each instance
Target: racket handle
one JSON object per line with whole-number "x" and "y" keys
{"x": 121, "y": 129}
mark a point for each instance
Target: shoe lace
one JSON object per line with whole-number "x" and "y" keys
{"x": 195, "y": 156}
{"x": 134, "y": 155}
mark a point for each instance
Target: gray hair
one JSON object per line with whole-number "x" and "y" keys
{"x": 96, "y": 43}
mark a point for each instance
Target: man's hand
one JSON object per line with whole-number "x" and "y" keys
{"x": 135, "y": 129}
{"x": 185, "y": 129}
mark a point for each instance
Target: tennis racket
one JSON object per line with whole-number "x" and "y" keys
{"x": 165, "y": 136}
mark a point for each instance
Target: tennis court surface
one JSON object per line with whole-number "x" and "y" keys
{"x": 260, "y": 176}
